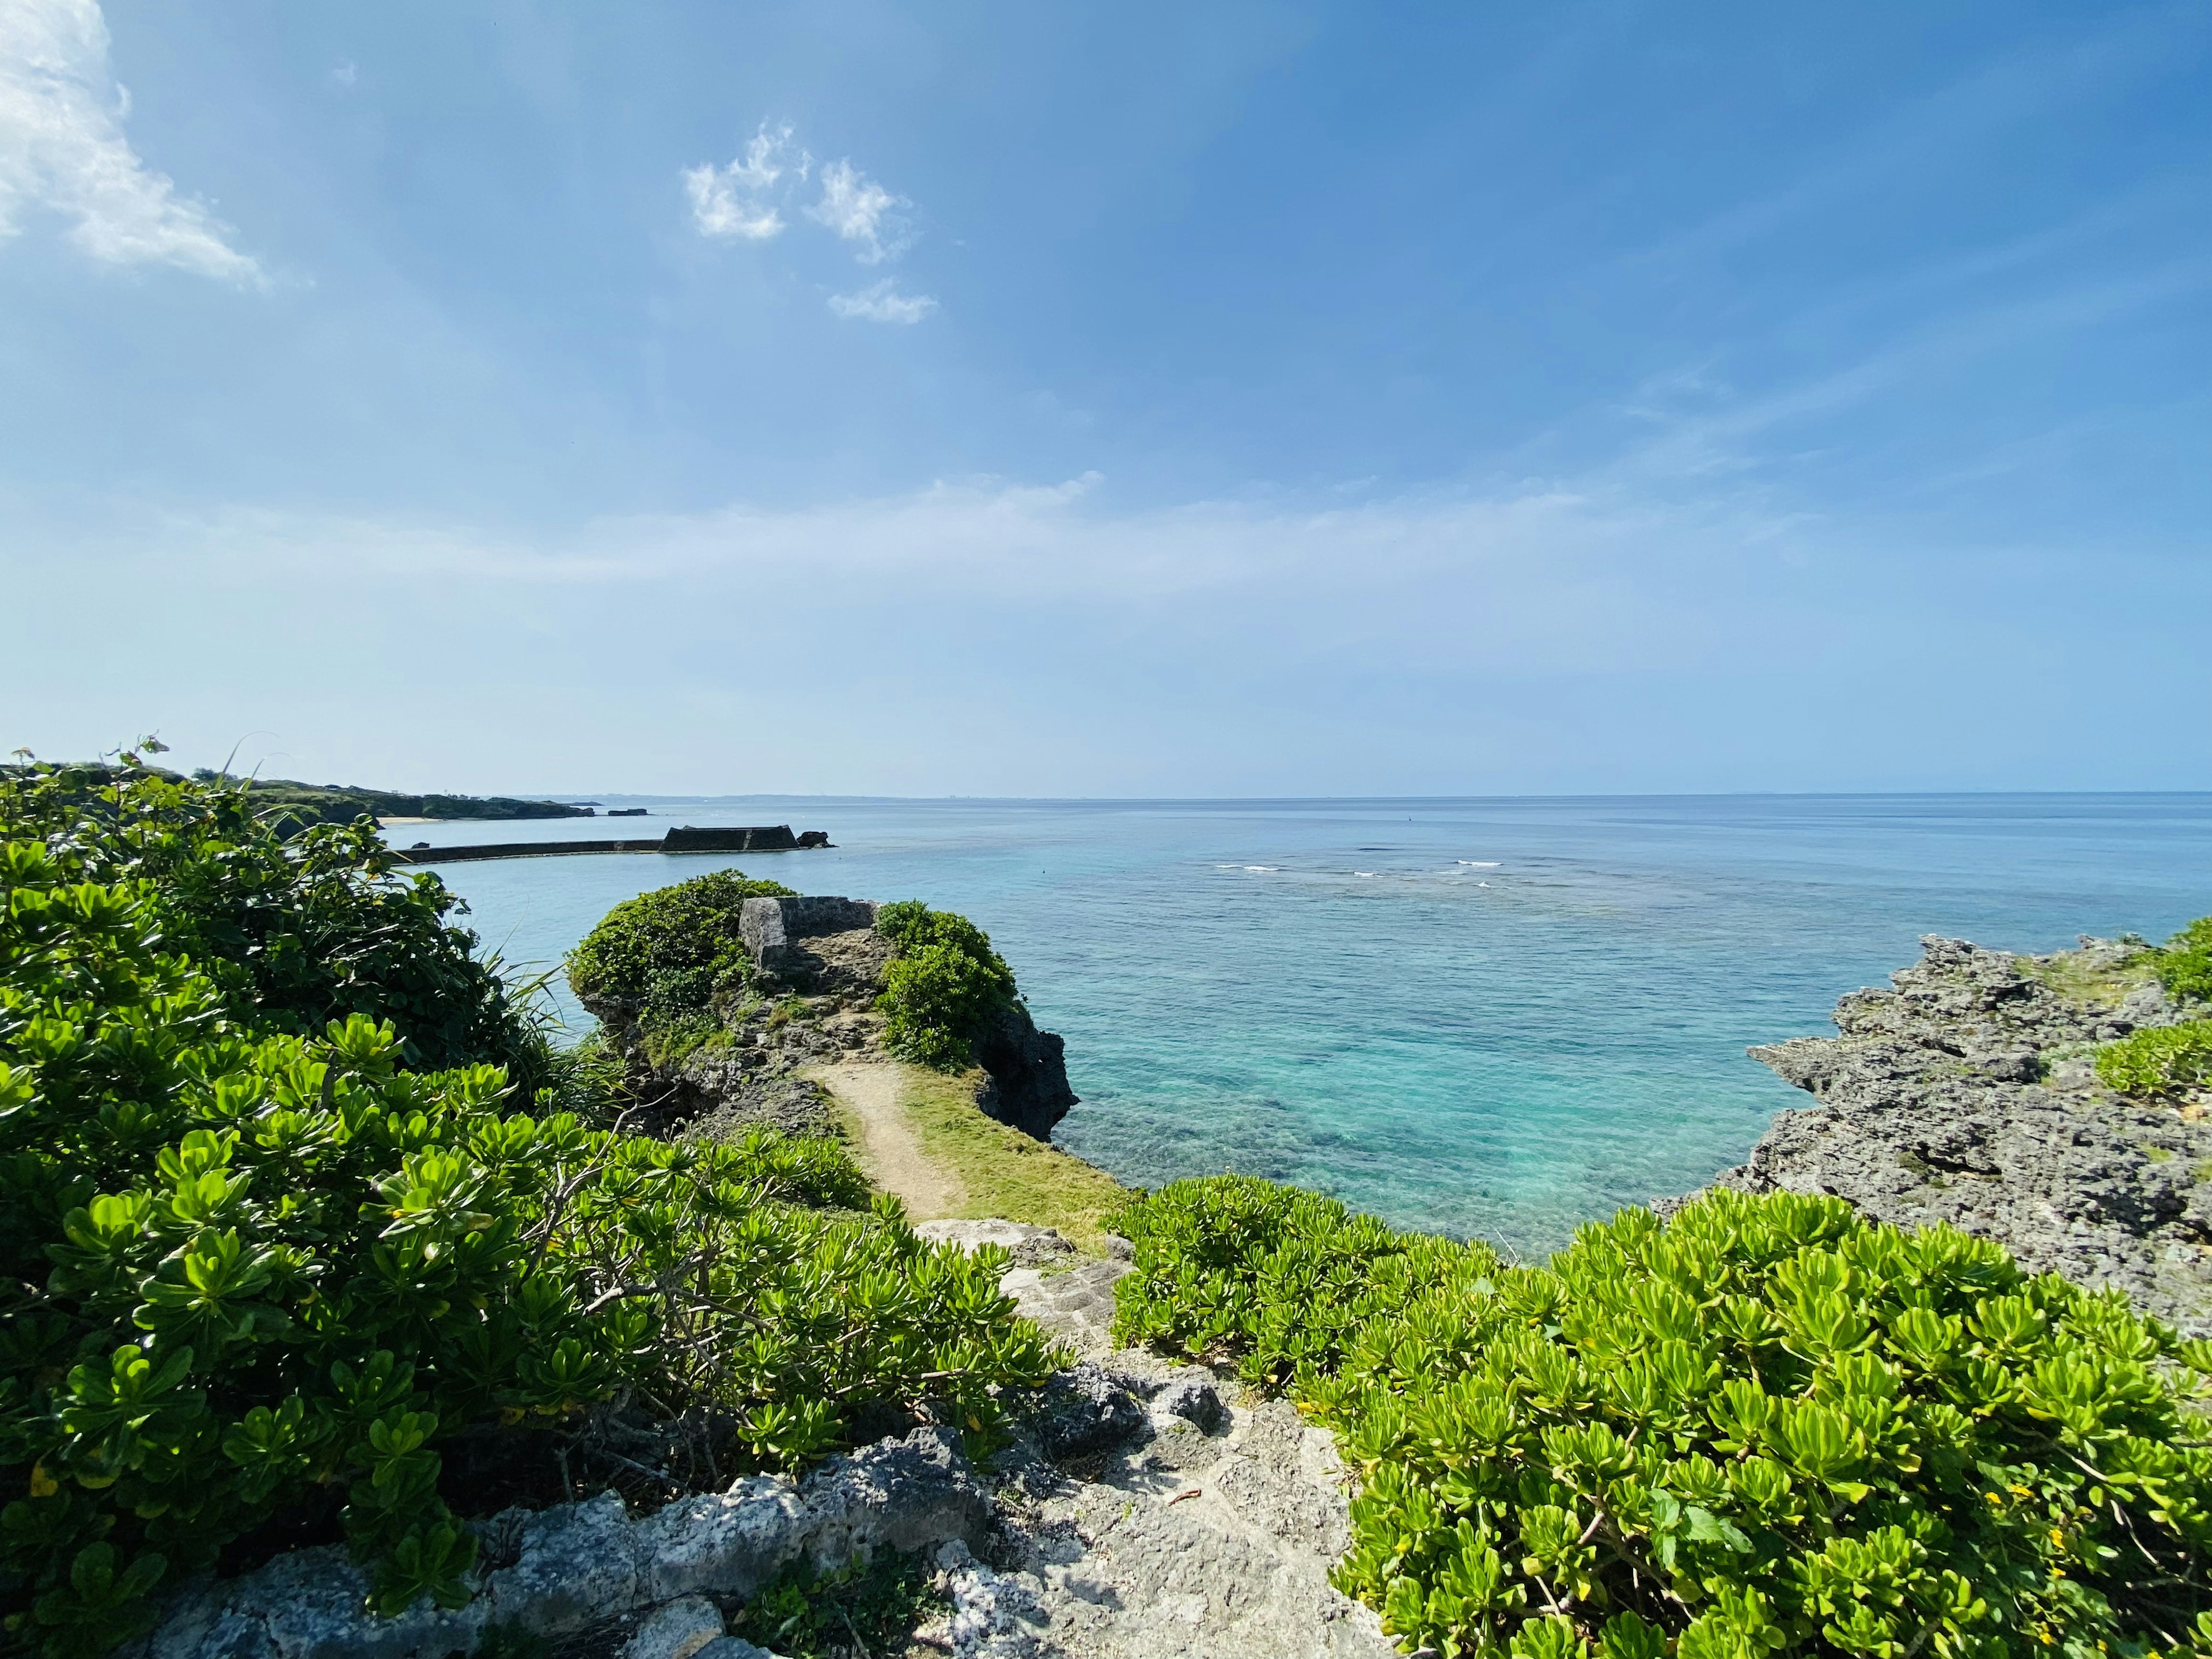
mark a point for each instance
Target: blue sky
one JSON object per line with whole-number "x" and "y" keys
{"x": 1122, "y": 400}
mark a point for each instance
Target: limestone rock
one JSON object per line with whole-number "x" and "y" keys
{"x": 1029, "y": 1073}
{"x": 1084, "y": 1410}
{"x": 678, "y": 1630}
{"x": 1965, "y": 1095}
{"x": 1193, "y": 1398}
{"x": 1076, "y": 1306}
{"x": 900, "y": 1493}
{"x": 586, "y": 1566}
{"x": 1028, "y": 1246}
{"x": 1145, "y": 1560}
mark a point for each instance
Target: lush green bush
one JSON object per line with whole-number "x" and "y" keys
{"x": 293, "y": 935}
{"x": 2160, "y": 1061}
{"x": 2184, "y": 967}
{"x": 1277, "y": 1279}
{"x": 944, "y": 984}
{"x": 238, "y": 1269}
{"x": 1763, "y": 1427}
{"x": 663, "y": 957}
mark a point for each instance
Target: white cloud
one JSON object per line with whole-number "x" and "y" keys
{"x": 63, "y": 147}
{"x": 738, "y": 200}
{"x": 882, "y": 302}
{"x": 861, "y": 210}
{"x": 345, "y": 74}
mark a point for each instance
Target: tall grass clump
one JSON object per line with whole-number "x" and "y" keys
{"x": 1763, "y": 1427}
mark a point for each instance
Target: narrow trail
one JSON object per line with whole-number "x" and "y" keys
{"x": 888, "y": 1149}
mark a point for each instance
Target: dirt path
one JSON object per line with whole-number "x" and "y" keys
{"x": 888, "y": 1149}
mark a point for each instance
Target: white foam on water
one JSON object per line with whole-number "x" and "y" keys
{"x": 1263, "y": 869}
{"x": 1479, "y": 864}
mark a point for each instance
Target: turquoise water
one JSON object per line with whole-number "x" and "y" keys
{"x": 1495, "y": 1017}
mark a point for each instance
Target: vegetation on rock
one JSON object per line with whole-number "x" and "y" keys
{"x": 2165, "y": 1060}
{"x": 2185, "y": 966}
{"x": 1765, "y": 1427}
{"x": 2161, "y": 1060}
{"x": 944, "y": 984}
{"x": 244, "y": 1266}
{"x": 291, "y": 935}
{"x": 291, "y": 806}
{"x": 661, "y": 958}
{"x": 862, "y": 1609}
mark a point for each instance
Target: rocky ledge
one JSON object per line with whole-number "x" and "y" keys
{"x": 1143, "y": 1511}
{"x": 1967, "y": 1095}
{"x": 818, "y": 969}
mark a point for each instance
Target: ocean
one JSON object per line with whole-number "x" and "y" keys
{"x": 1497, "y": 1017}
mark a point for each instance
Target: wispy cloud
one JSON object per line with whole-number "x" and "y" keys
{"x": 861, "y": 210}
{"x": 740, "y": 200}
{"x": 63, "y": 149}
{"x": 882, "y": 302}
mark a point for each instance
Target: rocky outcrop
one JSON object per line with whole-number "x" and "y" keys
{"x": 1142, "y": 1510}
{"x": 1029, "y": 1073}
{"x": 1966, "y": 1095}
{"x": 591, "y": 1574}
{"x": 1130, "y": 1528}
{"x": 818, "y": 968}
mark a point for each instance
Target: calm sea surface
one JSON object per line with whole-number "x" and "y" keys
{"x": 1500, "y": 1018}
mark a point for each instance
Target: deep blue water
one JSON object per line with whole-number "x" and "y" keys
{"x": 1500, "y": 1018}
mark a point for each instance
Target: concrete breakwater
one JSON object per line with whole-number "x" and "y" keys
{"x": 770, "y": 838}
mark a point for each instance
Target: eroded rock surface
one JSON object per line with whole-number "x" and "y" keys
{"x": 591, "y": 1571}
{"x": 1144, "y": 1509}
{"x": 1966, "y": 1095}
{"x": 1171, "y": 1542}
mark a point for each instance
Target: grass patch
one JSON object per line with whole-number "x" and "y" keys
{"x": 2069, "y": 973}
{"x": 1004, "y": 1172}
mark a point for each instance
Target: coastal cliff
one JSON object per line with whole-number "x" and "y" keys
{"x": 819, "y": 966}
{"x": 1967, "y": 1094}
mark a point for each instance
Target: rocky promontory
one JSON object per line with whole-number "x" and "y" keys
{"x": 818, "y": 970}
{"x": 1967, "y": 1094}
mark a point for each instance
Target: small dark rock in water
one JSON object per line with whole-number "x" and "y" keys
{"x": 1967, "y": 1095}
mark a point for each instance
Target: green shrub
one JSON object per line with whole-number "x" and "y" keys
{"x": 667, "y": 954}
{"x": 1763, "y": 1427}
{"x": 238, "y": 1269}
{"x": 2161, "y": 1060}
{"x": 943, "y": 986}
{"x": 863, "y": 1607}
{"x": 291, "y": 935}
{"x": 1277, "y": 1279}
{"x": 2184, "y": 967}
